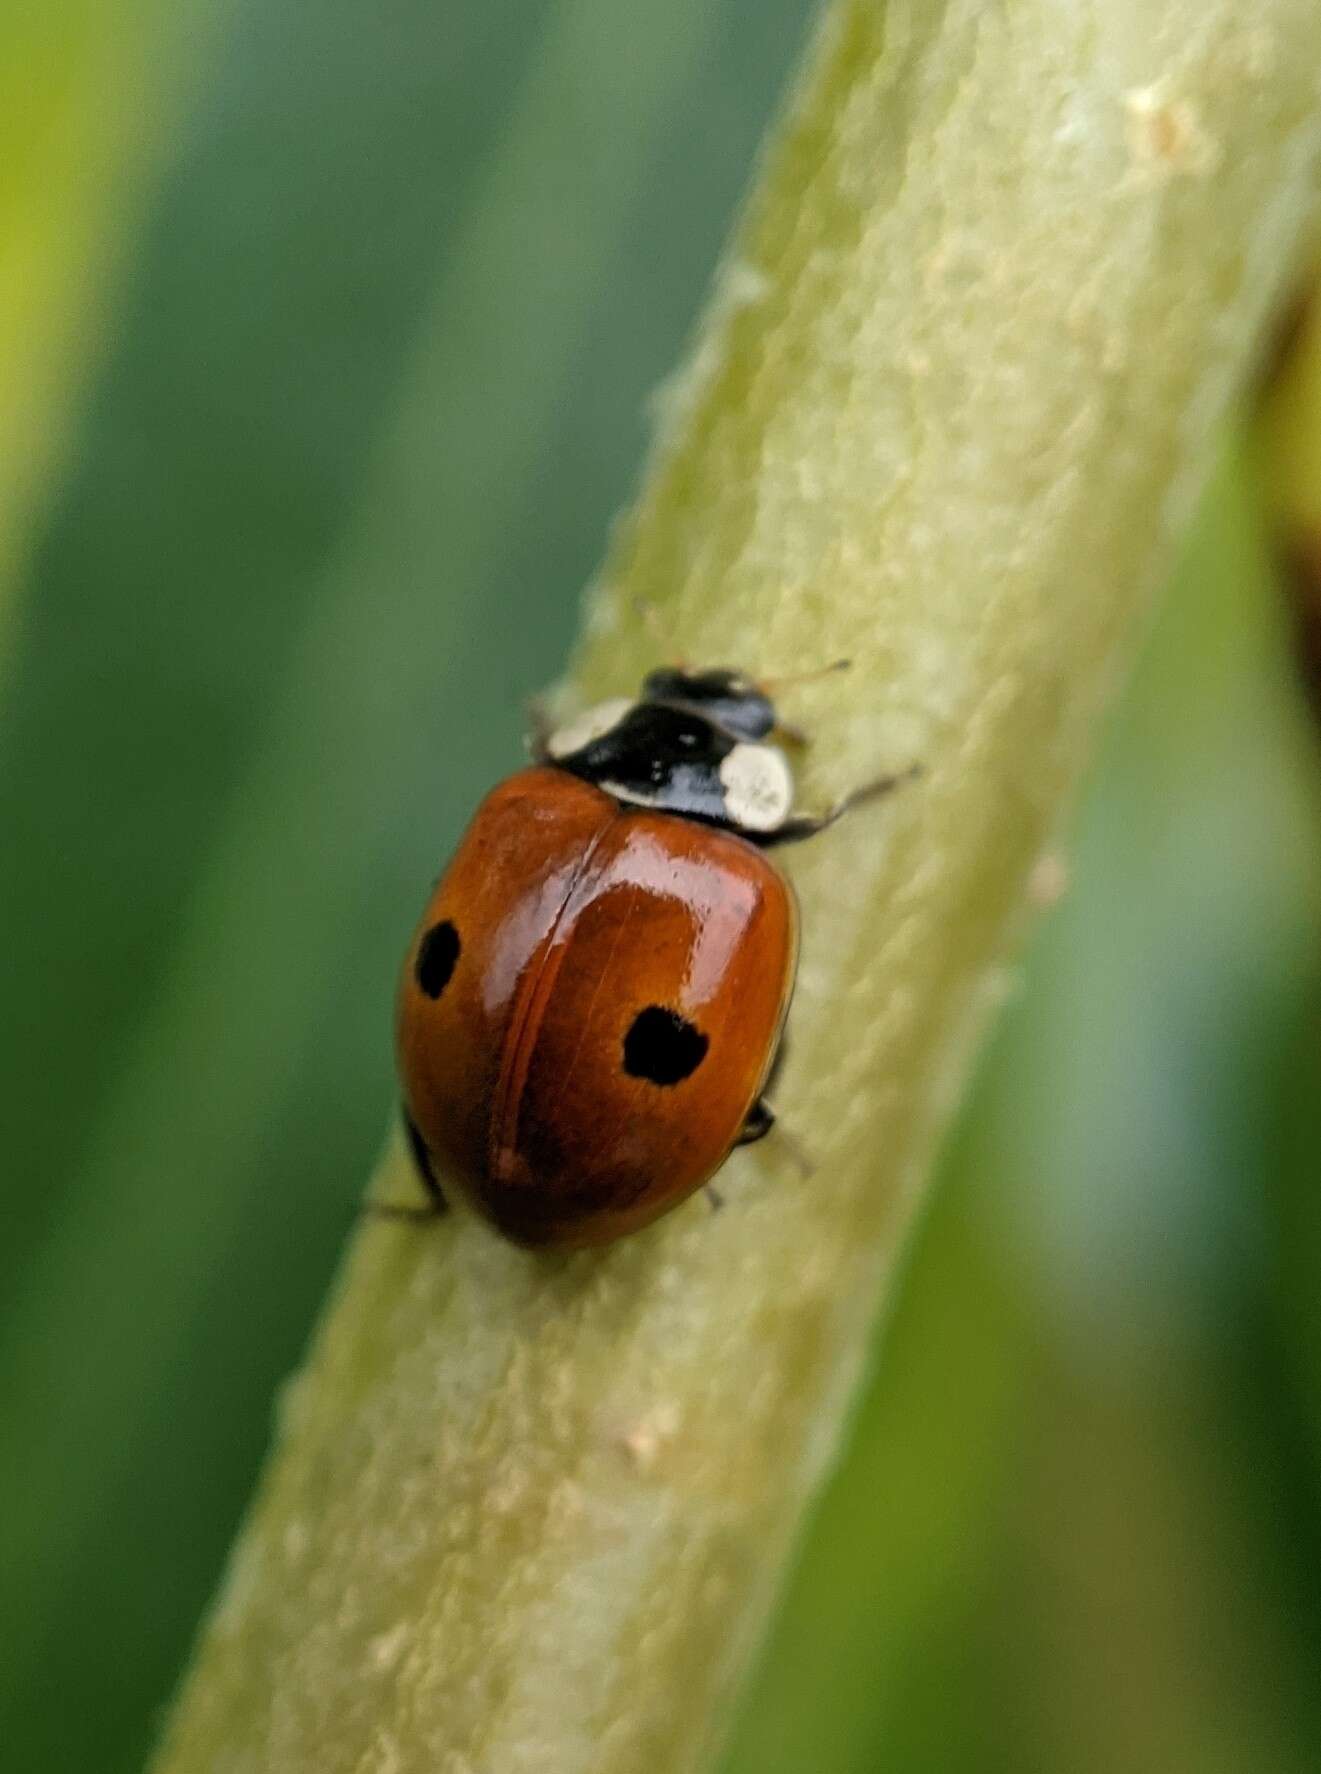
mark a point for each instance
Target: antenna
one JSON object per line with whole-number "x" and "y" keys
{"x": 773, "y": 686}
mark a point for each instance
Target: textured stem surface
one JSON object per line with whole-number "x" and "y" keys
{"x": 1003, "y": 268}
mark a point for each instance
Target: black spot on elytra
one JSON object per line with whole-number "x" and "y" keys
{"x": 663, "y": 1046}
{"x": 437, "y": 954}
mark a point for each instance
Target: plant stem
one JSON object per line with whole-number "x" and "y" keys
{"x": 1001, "y": 273}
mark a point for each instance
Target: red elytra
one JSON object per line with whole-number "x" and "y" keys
{"x": 590, "y": 1008}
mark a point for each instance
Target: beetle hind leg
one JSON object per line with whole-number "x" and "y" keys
{"x": 760, "y": 1121}
{"x": 435, "y": 1205}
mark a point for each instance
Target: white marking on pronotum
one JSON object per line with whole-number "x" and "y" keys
{"x": 592, "y": 724}
{"x": 759, "y": 791}
{"x": 635, "y": 794}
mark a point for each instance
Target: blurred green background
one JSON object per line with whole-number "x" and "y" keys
{"x": 326, "y": 340}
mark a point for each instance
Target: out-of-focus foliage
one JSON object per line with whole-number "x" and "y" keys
{"x": 85, "y": 99}
{"x": 342, "y": 437}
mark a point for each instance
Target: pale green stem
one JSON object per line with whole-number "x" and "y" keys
{"x": 1002, "y": 271}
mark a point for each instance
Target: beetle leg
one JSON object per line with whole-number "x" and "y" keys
{"x": 793, "y": 1151}
{"x": 422, "y": 1159}
{"x": 435, "y": 1204}
{"x": 807, "y": 825}
{"x": 760, "y": 1121}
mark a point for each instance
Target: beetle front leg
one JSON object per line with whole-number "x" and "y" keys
{"x": 807, "y": 825}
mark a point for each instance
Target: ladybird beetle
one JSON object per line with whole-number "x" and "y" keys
{"x": 594, "y": 998}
